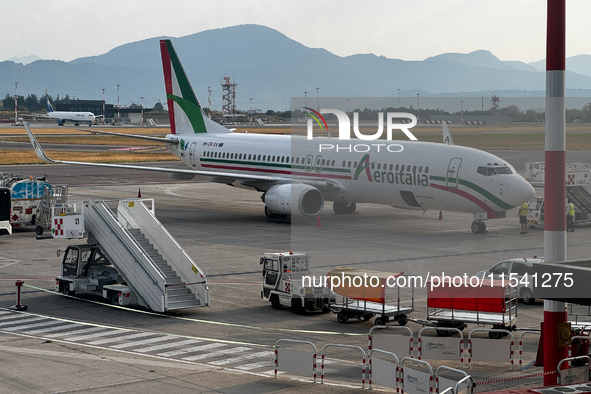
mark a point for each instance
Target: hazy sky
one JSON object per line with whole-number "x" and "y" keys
{"x": 401, "y": 29}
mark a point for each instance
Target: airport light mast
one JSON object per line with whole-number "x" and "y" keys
{"x": 142, "y": 107}
{"x": 118, "y": 119}
{"x": 554, "y": 188}
{"x": 15, "y": 103}
{"x": 103, "y": 106}
{"x": 209, "y": 100}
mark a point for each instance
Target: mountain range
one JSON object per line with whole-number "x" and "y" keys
{"x": 271, "y": 68}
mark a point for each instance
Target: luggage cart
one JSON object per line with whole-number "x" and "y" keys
{"x": 490, "y": 303}
{"x": 365, "y": 302}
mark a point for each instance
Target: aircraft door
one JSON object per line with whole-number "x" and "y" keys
{"x": 452, "y": 177}
{"x": 270, "y": 275}
{"x": 192, "y": 153}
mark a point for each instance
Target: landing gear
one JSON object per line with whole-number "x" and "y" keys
{"x": 341, "y": 208}
{"x": 478, "y": 227}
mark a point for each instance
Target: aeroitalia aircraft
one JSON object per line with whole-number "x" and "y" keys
{"x": 295, "y": 178}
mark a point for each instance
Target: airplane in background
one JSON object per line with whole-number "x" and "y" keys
{"x": 68, "y": 116}
{"x": 295, "y": 179}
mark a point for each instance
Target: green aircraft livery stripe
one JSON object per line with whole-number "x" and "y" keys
{"x": 477, "y": 189}
{"x": 188, "y": 102}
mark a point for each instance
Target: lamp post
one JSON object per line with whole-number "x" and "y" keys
{"x": 398, "y": 98}
{"x": 305, "y": 99}
{"x": 317, "y": 104}
{"x": 142, "y": 107}
{"x": 118, "y": 120}
{"x": 418, "y": 107}
{"x": 103, "y": 106}
{"x": 15, "y": 103}
{"x": 462, "y": 102}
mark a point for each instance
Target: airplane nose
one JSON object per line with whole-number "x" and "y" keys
{"x": 519, "y": 191}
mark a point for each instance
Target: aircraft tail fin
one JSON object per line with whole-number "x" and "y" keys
{"x": 185, "y": 112}
{"x": 446, "y": 134}
{"x": 48, "y": 104}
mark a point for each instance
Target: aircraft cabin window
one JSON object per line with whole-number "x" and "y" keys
{"x": 344, "y": 163}
{"x": 292, "y": 159}
{"x": 391, "y": 166}
{"x": 379, "y": 166}
{"x": 355, "y": 164}
{"x": 421, "y": 169}
{"x": 397, "y": 167}
{"x": 372, "y": 165}
{"x": 407, "y": 168}
{"x": 414, "y": 169}
{"x": 333, "y": 163}
{"x": 273, "y": 158}
{"x": 297, "y": 160}
{"x": 426, "y": 170}
{"x": 349, "y": 164}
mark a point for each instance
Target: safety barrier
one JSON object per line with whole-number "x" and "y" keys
{"x": 347, "y": 346}
{"x": 380, "y": 371}
{"x": 442, "y": 348}
{"x": 574, "y": 374}
{"x": 573, "y": 338}
{"x": 392, "y": 343}
{"x": 449, "y": 383}
{"x": 521, "y": 345}
{"x": 296, "y": 361}
{"x": 415, "y": 381}
{"x": 490, "y": 349}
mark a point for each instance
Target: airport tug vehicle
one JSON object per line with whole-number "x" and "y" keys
{"x": 282, "y": 283}
{"x": 86, "y": 268}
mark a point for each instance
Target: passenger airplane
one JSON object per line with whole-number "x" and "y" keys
{"x": 296, "y": 179}
{"x": 69, "y": 116}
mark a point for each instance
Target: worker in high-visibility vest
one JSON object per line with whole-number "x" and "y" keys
{"x": 570, "y": 216}
{"x": 523, "y": 210}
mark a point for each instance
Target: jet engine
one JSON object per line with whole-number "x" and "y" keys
{"x": 294, "y": 199}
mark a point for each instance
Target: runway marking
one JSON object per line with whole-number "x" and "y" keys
{"x": 76, "y": 332}
{"x": 238, "y": 359}
{"x": 144, "y": 342}
{"x": 123, "y": 338}
{"x": 21, "y": 320}
{"x": 59, "y": 328}
{"x": 47, "y": 323}
{"x": 218, "y": 353}
{"x": 191, "y": 350}
{"x": 167, "y": 345}
{"x": 90, "y": 336}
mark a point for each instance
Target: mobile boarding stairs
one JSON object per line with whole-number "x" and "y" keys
{"x": 157, "y": 269}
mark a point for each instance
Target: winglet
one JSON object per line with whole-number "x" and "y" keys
{"x": 446, "y": 134}
{"x": 38, "y": 150}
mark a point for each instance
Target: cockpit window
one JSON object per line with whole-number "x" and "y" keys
{"x": 490, "y": 171}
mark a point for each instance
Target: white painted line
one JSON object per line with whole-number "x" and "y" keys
{"x": 123, "y": 338}
{"x": 259, "y": 364}
{"x": 167, "y": 345}
{"x": 45, "y": 323}
{"x": 242, "y": 358}
{"x": 144, "y": 342}
{"x": 75, "y": 332}
{"x": 6, "y": 312}
{"x": 91, "y": 336}
{"x": 191, "y": 349}
{"x": 64, "y": 327}
{"x": 218, "y": 353}
{"x": 19, "y": 321}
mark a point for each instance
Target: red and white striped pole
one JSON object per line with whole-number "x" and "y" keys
{"x": 554, "y": 188}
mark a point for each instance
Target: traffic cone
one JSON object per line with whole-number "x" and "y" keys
{"x": 318, "y": 224}
{"x": 139, "y": 193}
{"x": 440, "y": 215}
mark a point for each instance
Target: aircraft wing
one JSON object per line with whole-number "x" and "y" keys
{"x": 141, "y": 137}
{"x": 181, "y": 174}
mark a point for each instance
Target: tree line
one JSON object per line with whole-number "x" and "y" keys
{"x": 33, "y": 103}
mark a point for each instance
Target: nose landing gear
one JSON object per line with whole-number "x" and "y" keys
{"x": 478, "y": 227}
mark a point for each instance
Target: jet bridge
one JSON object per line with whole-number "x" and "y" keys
{"x": 151, "y": 262}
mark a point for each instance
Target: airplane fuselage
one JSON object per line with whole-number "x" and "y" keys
{"x": 404, "y": 174}
{"x": 69, "y": 116}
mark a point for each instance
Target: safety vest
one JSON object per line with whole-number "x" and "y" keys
{"x": 523, "y": 210}
{"x": 571, "y": 209}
